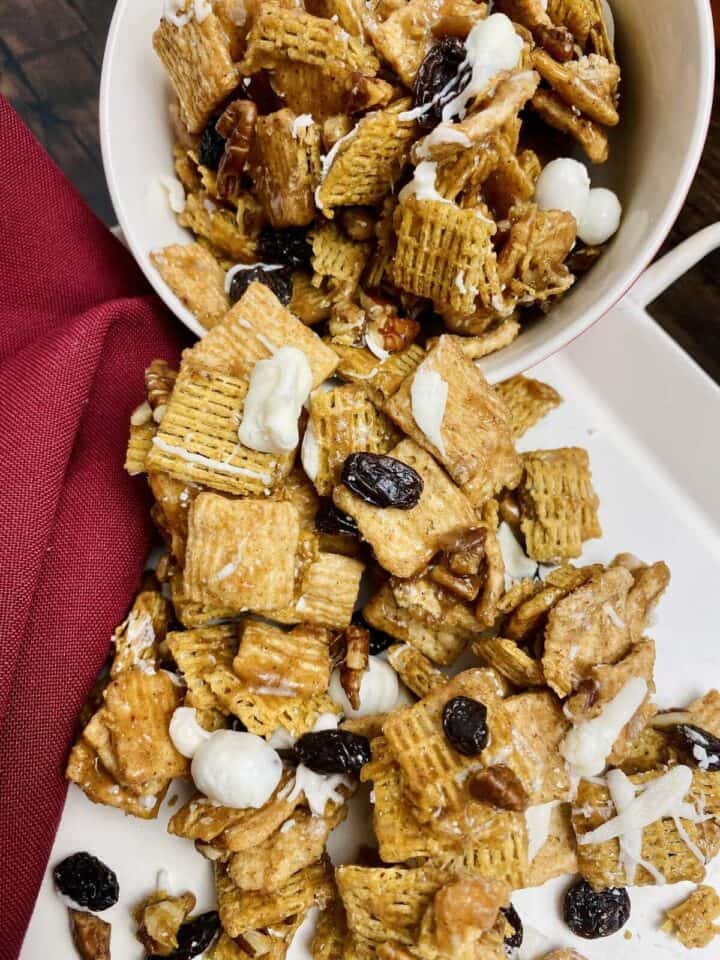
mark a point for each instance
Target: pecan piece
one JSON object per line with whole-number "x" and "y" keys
{"x": 159, "y": 384}
{"x": 557, "y": 41}
{"x": 499, "y": 786}
{"x": 237, "y": 125}
{"x": 357, "y": 649}
{"x": 91, "y": 935}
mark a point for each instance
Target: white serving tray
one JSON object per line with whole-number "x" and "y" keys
{"x": 649, "y": 418}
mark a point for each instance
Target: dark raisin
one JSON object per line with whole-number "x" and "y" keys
{"x": 697, "y": 744}
{"x": 514, "y": 941}
{"x": 333, "y": 751}
{"x": 593, "y": 914}
{"x": 382, "y": 481}
{"x": 211, "y": 147}
{"x": 193, "y": 937}
{"x": 86, "y": 880}
{"x": 440, "y": 78}
{"x": 331, "y": 520}
{"x": 379, "y": 641}
{"x": 279, "y": 279}
{"x": 289, "y": 246}
{"x": 235, "y": 723}
{"x": 465, "y": 724}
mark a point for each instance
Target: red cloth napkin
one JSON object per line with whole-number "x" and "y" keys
{"x": 78, "y": 327}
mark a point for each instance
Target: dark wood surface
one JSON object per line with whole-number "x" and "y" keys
{"x": 50, "y": 59}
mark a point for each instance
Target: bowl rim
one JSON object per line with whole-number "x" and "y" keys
{"x": 498, "y": 369}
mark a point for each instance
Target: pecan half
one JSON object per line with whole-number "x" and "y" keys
{"x": 499, "y": 786}
{"x": 237, "y": 125}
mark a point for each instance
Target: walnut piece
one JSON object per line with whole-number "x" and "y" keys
{"x": 91, "y": 935}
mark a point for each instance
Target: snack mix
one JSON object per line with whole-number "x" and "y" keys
{"x": 390, "y": 169}
{"x": 346, "y": 515}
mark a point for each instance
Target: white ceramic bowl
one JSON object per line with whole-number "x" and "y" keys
{"x": 667, "y": 56}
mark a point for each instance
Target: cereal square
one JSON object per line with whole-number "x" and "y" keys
{"x": 477, "y": 446}
{"x": 235, "y": 557}
{"x": 404, "y": 541}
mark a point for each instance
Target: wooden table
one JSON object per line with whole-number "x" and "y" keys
{"x": 50, "y": 57}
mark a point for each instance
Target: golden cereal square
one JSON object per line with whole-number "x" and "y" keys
{"x": 137, "y": 638}
{"x": 241, "y": 553}
{"x": 197, "y": 653}
{"x": 222, "y": 230}
{"x": 558, "y": 506}
{"x": 344, "y": 421}
{"x": 400, "y": 835}
{"x": 386, "y": 903}
{"x": 85, "y": 769}
{"x": 280, "y": 35}
{"x": 445, "y": 253}
{"x": 369, "y": 161}
{"x": 415, "y": 670}
{"x": 404, "y": 541}
{"x": 296, "y": 845}
{"x": 295, "y": 662}
{"x": 477, "y": 447}
{"x": 286, "y": 168}
{"x": 336, "y": 256}
{"x": 252, "y": 330}
{"x": 139, "y": 446}
{"x": 325, "y": 593}
{"x": 528, "y": 401}
{"x": 138, "y": 708}
{"x": 434, "y": 772}
{"x": 406, "y": 35}
{"x": 664, "y": 847}
{"x": 231, "y": 829}
{"x": 307, "y": 88}
{"x": 196, "y": 278}
{"x": 263, "y": 713}
{"x": 243, "y": 910}
{"x": 197, "y": 57}
{"x": 425, "y": 615}
{"x": 587, "y": 628}
{"x": 197, "y": 441}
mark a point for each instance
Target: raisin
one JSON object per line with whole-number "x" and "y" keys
{"x": 593, "y": 914}
{"x": 278, "y": 279}
{"x": 193, "y": 937}
{"x": 289, "y": 246}
{"x": 380, "y": 641}
{"x": 211, "y": 147}
{"x": 86, "y": 880}
{"x": 465, "y": 724}
{"x": 333, "y": 751}
{"x": 382, "y": 481}
{"x": 698, "y": 744}
{"x": 331, "y": 520}
{"x": 514, "y": 941}
{"x": 440, "y": 78}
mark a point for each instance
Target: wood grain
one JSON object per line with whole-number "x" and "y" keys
{"x": 50, "y": 58}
